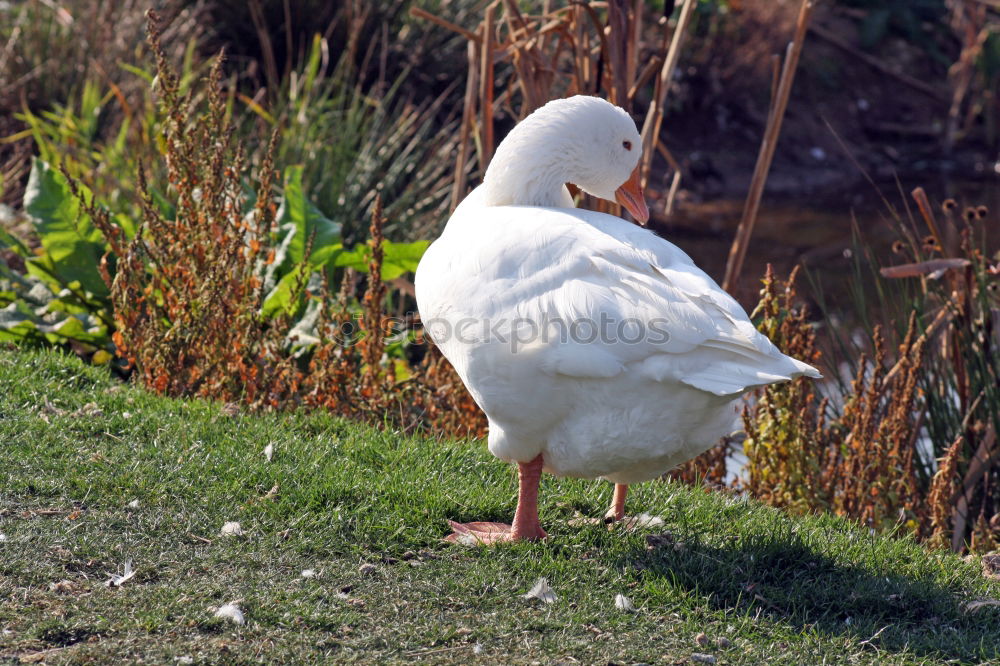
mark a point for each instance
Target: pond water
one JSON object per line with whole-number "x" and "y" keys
{"x": 814, "y": 230}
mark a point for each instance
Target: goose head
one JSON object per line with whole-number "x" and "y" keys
{"x": 582, "y": 140}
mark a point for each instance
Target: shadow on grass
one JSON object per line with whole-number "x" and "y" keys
{"x": 780, "y": 578}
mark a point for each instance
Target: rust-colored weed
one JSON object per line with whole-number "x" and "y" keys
{"x": 187, "y": 291}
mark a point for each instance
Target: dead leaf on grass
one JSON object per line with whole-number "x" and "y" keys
{"x": 38, "y": 657}
{"x": 49, "y": 408}
{"x": 64, "y": 587}
{"x": 628, "y": 523}
{"x": 90, "y": 409}
{"x": 991, "y": 565}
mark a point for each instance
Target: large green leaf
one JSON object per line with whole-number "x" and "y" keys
{"x": 397, "y": 258}
{"x": 298, "y": 212}
{"x": 73, "y": 246}
{"x": 284, "y": 297}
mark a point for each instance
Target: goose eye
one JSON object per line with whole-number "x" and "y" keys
{"x": 627, "y": 145}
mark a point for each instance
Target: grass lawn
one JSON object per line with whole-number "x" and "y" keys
{"x": 725, "y": 578}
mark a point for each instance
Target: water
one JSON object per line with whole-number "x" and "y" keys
{"x": 814, "y": 230}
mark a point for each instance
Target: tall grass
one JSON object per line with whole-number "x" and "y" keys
{"x": 356, "y": 142}
{"x": 60, "y": 56}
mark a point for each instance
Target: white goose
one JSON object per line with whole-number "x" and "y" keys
{"x": 595, "y": 348}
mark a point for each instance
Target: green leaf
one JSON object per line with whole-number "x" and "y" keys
{"x": 401, "y": 258}
{"x": 21, "y": 322}
{"x": 397, "y": 258}
{"x": 77, "y": 328}
{"x": 141, "y": 73}
{"x": 297, "y": 210}
{"x": 12, "y": 243}
{"x": 17, "y": 322}
{"x": 73, "y": 247}
{"x": 284, "y": 297}
{"x": 127, "y": 225}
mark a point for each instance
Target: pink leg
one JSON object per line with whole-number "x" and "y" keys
{"x": 526, "y": 525}
{"x": 617, "y": 510}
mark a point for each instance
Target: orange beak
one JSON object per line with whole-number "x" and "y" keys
{"x": 630, "y": 196}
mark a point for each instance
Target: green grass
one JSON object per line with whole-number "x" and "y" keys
{"x": 780, "y": 590}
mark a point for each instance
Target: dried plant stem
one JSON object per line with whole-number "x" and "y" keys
{"x": 486, "y": 89}
{"x": 618, "y": 24}
{"x": 372, "y": 321}
{"x": 738, "y": 250}
{"x": 980, "y": 465}
{"x": 416, "y": 12}
{"x": 939, "y": 498}
{"x": 675, "y": 181}
{"x": 943, "y": 316}
{"x": 654, "y": 116}
{"x": 469, "y": 112}
{"x": 924, "y": 206}
{"x": 644, "y": 77}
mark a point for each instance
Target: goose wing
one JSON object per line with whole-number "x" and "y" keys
{"x": 587, "y": 295}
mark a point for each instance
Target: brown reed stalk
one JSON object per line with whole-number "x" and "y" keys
{"x": 738, "y": 250}
{"x": 468, "y": 118}
{"x": 486, "y": 89}
{"x": 654, "y": 115}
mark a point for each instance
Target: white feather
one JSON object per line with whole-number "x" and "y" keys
{"x": 231, "y": 612}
